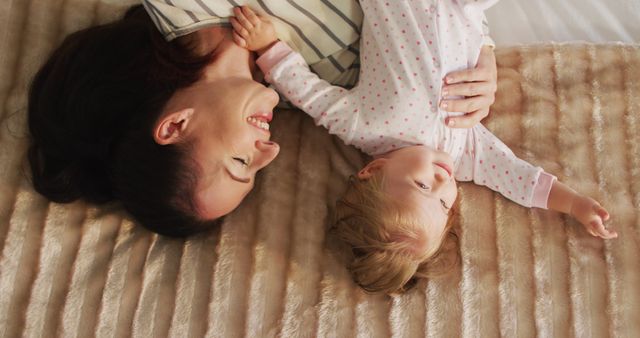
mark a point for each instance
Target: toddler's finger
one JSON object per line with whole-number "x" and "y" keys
{"x": 602, "y": 212}
{"x": 237, "y": 28}
{"x": 250, "y": 15}
{"x": 602, "y": 231}
{"x": 610, "y": 235}
{"x": 239, "y": 40}
{"x": 242, "y": 19}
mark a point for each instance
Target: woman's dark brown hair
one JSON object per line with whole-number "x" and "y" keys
{"x": 92, "y": 109}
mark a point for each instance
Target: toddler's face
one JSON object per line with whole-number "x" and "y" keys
{"x": 421, "y": 179}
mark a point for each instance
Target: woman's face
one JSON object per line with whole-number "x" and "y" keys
{"x": 230, "y": 130}
{"x": 228, "y": 127}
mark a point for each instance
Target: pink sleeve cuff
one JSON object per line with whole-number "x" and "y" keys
{"x": 542, "y": 190}
{"x": 273, "y": 55}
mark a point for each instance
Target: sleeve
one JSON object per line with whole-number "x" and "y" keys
{"x": 330, "y": 106}
{"x": 476, "y": 8}
{"x": 489, "y": 162}
{"x": 487, "y": 40}
{"x": 181, "y": 17}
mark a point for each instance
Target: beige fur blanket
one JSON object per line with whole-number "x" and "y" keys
{"x": 80, "y": 271}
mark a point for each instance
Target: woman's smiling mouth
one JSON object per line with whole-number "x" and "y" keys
{"x": 259, "y": 122}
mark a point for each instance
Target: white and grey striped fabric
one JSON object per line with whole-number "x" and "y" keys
{"x": 325, "y": 32}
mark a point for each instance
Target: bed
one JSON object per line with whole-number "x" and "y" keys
{"x": 572, "y": 107}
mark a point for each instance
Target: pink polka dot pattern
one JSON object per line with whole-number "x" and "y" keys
{"x": 407, "y": 47}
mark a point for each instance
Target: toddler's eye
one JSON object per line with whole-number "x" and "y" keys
{"x": 241, "y": 160}
{"x": 444, "y": 204}
{"x": 423, "y": 186}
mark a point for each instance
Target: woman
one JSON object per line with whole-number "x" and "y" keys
{"x": 176, "y": 131}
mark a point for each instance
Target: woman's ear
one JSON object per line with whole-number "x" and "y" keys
{"x": 171, "y": 127}
{"x": 371, "y": 168}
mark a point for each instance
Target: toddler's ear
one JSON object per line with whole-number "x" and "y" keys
{"x": 371, "y": 168}
{"x": 171, "y": 127}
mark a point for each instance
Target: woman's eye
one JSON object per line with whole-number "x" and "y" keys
{"x": 444, "y": 204}
{"x": 241, "y": 160}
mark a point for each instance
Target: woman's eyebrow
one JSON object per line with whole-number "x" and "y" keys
{"x": 235, "y": 178}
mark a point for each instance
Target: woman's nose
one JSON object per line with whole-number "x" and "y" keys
{"x": 266, "y": 151}
{"x": 275, "y": 97}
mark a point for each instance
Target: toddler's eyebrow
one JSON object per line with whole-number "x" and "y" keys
{"x": 425, "y": 194}
{"x": 238, "y": 179}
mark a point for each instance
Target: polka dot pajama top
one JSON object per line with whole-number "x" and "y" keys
{"x": 406, "y": 48}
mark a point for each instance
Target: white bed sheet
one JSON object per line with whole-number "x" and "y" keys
{"x": 528, "y": 21}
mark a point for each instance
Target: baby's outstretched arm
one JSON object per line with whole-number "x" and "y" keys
{"x": 584, "y": 209}
{"x": 252, "y": 31}
{"x": 488, "y": 161}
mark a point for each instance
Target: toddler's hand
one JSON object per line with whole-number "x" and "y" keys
{"x": 592, "y": 216}
{"x": 252, "y": 31}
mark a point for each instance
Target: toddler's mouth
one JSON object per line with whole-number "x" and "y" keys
{"x": 445, "y": 167}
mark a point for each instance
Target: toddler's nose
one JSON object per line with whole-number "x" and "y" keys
{"x": 440, "y": 177}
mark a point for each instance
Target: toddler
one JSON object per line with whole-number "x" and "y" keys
{"x": 397, "y": 208}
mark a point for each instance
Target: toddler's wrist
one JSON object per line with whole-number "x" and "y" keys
{"x": 576, "y": 205}
{"x": 572, "y": 207}
{"x": 268, "y": 46}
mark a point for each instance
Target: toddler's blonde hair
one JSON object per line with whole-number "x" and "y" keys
{"x": 388, "y": 246}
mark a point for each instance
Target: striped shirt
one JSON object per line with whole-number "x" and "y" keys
{"x": 324, "y": 32}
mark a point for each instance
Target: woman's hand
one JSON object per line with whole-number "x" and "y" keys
{"x": 478, "y": 86}
{"x": 251, "y": 30}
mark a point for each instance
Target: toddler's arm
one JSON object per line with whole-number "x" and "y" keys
{"x": 331, "y": 106}
{"x": 489, "y": 162}
{"x": 585, "y": 209}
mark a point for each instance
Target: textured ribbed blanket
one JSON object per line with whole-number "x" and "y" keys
{"x": 270, "y": 270}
